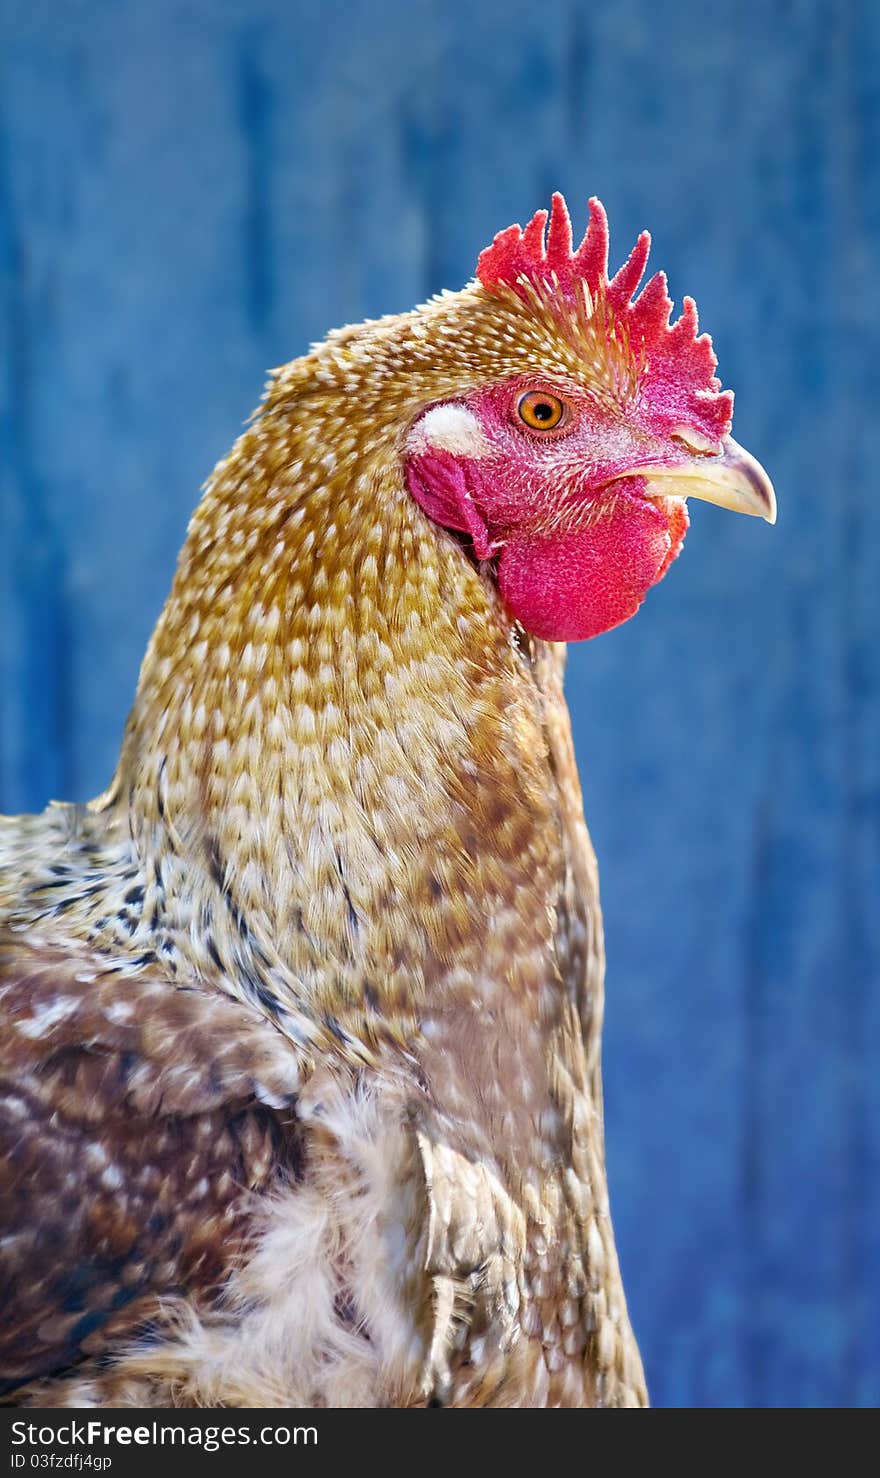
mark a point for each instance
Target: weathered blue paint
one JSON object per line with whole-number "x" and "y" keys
{"x": 189, "y": 193}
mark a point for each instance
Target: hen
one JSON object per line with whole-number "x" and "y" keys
{"x": 300, "y": 1064}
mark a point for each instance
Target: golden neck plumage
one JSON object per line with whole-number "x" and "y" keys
{"x": 335, "y": 729}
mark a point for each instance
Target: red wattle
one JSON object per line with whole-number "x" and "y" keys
{"x": 574, "y": 584}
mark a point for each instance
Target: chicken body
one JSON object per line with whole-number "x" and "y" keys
{"x": 301, "y": 1019}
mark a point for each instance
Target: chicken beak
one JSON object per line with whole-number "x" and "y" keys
{"x": 732, "y": 478}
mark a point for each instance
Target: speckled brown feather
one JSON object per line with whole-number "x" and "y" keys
{"x": 135, "y": 1136}
{"x": 347, "y": 809}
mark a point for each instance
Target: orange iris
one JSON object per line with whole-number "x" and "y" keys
{"x": 540, "y": 411}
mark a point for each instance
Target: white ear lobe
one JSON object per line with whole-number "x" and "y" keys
{"x": 452, "y": 428}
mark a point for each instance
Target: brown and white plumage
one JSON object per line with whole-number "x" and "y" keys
{"x": 301, "y": 1018}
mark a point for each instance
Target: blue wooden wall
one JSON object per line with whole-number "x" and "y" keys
{"x": 190, "y": 191}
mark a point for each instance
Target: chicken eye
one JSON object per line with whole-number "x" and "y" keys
{"x": 540, "y": 411}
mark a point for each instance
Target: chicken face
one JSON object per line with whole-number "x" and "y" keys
{"x": 572, "y": 479}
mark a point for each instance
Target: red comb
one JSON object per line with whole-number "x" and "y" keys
{"x": 677, "y": 357}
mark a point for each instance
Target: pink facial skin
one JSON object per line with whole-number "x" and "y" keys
{"x": 576, "y": 550}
